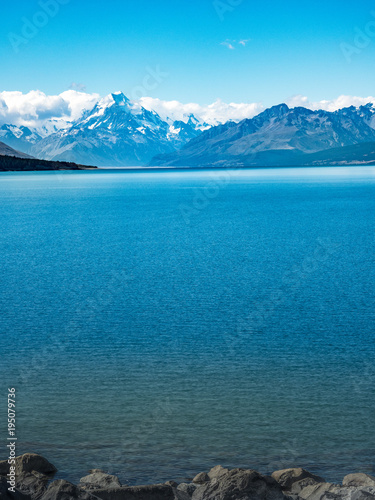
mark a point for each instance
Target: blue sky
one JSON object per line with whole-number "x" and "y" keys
{"x": 291, "y": 47}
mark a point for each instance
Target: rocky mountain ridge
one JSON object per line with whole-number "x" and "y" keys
{"x": 116, "y": 132}
{"x": 279, "y": 136}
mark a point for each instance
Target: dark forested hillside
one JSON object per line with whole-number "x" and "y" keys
{"x": 12, "y": 163}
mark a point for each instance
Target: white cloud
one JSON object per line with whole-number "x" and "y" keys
{"x": 3, "y": 107}
{"x": 35, "y": 108}
{"x": 221, "y": 111}
{"x": 78, "y": 102}
{"x": 228, "y": 44}
{"x": 343, "y": 101}
{"x": 81, "y": 87}
{"x": 214, "y": 113}
{"x": 231, "y": 44}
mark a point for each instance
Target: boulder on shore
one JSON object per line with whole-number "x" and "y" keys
{"x": 33, "y": 473}
{"x": 28, "y": 462}
{"x": 33, "y": 484}
{"x": 149, "y": 492}
{"x": 201, "y": 478}
{"x": 238, "y": 484}
{"x": 329, "y": 491}
{"x": 297, "y": 477}
{"x": 63, "y": 490}
{"x": 359, "y": 479}
{"x": 99, "y": 480}
{"x": 5, "y": 494}
{"x": 217, "y": 471}
{"x": 187, "y": 488}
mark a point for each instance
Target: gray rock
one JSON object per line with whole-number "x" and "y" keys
{"x": 151, "y": 492}
{"x": 28, "y": 462}
{"x": 239, "y": 484}
{"x": 172, "y": 483}
{"x": 315, "y": 491}
{"x": 33, "y": 484}
{"x": 63, "y": 490}
{"x": 328, "y": 491}
{"x": 188, "y": 488}
{"x": 287, "y": 477}
{"x": 358, "y": 480}
{"x": 201, "y": 478}
{"x": 298, "y": 486}
{"x": 32, "y": 473}
{"x": 217, "y": 471}
{"x": 181, "y": 494}
{"x": 5, "y": 494}
{"x": 99, "y": 480}
{"x": 4, "y": 467}
{"x": 363, "y": 493}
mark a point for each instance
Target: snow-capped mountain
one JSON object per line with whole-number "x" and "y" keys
{"x": 24, "y": 138}
{"x": 279, "y": 135}
{"x": 195, "y": 123}
{"x": 116, "y": 132}
{"x": 120, "y": 132}
{"x": 20, "y": 138}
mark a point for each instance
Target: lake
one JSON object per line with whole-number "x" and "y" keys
{"x": 155, "y": 324}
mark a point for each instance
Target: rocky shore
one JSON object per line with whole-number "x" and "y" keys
{"x": 31, "y": 478}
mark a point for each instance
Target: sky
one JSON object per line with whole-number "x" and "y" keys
{"x": 249, "y": 52}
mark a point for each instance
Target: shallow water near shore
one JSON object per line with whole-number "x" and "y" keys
{"x": 155, "y": 324}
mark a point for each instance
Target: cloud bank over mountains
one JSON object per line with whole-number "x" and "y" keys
{"x": 217, "y": 112}
{"x": 343, "y": 101}
{"x": 35, "y": 108}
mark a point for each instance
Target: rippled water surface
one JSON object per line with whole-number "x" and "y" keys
{"x": 156, "y": 324}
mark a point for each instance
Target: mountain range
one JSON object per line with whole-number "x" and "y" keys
{"x": 6, "y": 150}
{"x": 118, "y": 132}
{"x": 13, "y": 161}
{"x": 282, "y": 136}
{"x": 24, "y": 138}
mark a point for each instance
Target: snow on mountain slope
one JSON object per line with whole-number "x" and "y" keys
{"x": 116, "y": 132}
{"x": 120, "y": 132}
{"x": 20, "y": 138}
{"x": 24, "y": 138}
{"x": 277, "y": 129}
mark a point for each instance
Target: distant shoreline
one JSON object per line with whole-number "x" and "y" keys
{"x": 218, "y": 169}
{"x": 16, "y": 164}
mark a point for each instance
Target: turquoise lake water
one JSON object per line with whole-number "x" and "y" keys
{"x": 157, "y": 324}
